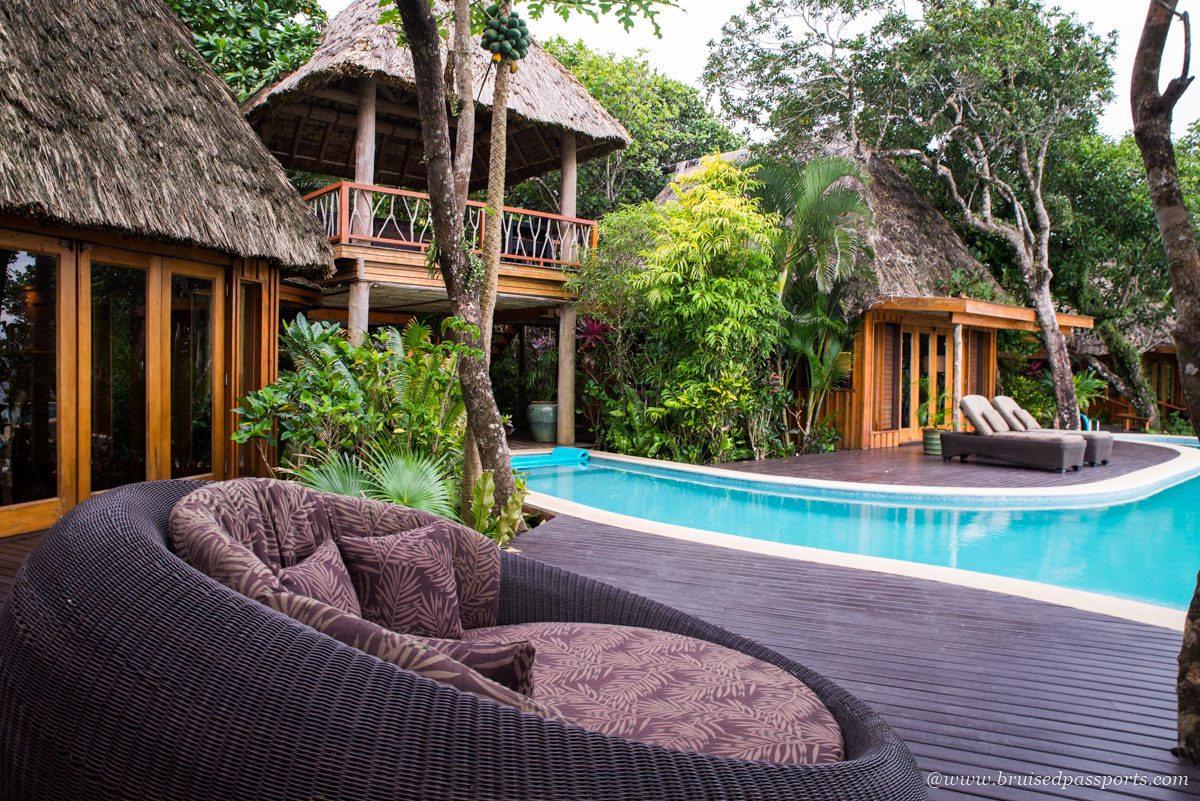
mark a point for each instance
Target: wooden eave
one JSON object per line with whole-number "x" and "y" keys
{"x": 979, "y": 313}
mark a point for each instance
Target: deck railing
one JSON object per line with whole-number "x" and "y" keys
{"x": 397, "y": 219}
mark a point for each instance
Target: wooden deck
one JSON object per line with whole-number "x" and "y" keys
{"x": 908, "y": 466}
{"x": 975, "y": 682}
{"x": 13, "y": 552}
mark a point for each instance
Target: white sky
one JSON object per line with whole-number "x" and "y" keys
{"x": 683, "y": 49}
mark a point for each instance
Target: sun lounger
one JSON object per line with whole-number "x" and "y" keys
{"x": 1099, "y": 443}
{"x": 995, "y": 440}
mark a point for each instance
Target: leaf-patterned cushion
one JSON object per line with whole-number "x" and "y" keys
{"x": 323, "y": 576}
{"x": 405, "y": 581}
{"x": 421, "y": 656}
{"x": 280, "y": 523}
{"x": 675, "y": 691}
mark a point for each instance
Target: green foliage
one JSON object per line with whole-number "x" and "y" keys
{"x": 1174, "y": 424}
{"x": 398, "y": 389}
{"x": 689, "y": 294}
{"x": 253, "y": 43}
{"x": 1088, "y": 387}
{"x": 500, "y": 527}
{"x": 935, "y": 410}
{"x": 668, "y": 121}
{"x": 826, "y": 218}
{"x": 395, "y": 476}
{"x": 1031, "y": 386}
{"x": 963, "y": 284}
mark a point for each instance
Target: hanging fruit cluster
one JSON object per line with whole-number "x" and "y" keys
{"x": 505, "y": 36}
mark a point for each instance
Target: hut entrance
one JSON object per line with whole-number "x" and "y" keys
{"x": 111, "y": 372}
{"x": 915, "y": 369}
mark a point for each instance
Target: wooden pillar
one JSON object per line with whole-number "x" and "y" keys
{"x": 522, "y": 371}
{"x": 359, "y": 310}
{"x": 364, "y": 157}
{"x": 568, "y": 198}
{"x": 956, "y": 395}
{"x": 566, "y": 374}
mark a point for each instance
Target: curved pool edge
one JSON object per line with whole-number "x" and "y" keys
{"x": 1136, "y": 611}
{"x": 1122, "y": 489}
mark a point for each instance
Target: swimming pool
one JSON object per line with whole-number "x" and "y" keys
{"x": 1145, "y": 550}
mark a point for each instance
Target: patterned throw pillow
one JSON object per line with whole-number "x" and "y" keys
{"x": 405, "y": 581}
{"x": 323, "y": 576}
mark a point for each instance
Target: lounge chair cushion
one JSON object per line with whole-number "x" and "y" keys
{"x": 281, "y": 523}
{"x": 1017, "y": 418}
{"x": 675, "y": 691}
{"x": 405, "y": 581}
{"x": 239, "y": 532}
{"x": 323, "y": 576}
{"x": 986, "y": 420}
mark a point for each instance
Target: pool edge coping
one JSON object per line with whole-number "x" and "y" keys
{"x": 1097, "y": 603}
{"x": 1126, "y": 488}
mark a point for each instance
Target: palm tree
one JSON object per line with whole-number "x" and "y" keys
{"x": 825, "y": 217}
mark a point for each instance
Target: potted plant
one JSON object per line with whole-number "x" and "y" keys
{"x": 541, "y": 378}
{"x": 932, "y": 415}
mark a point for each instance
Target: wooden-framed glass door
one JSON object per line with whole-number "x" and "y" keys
{"x": 926, "y": 377}
{"x": 151, "y": 369}
{"x": 37, "y": 380}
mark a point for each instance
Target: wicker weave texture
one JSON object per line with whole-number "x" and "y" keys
{"x": 124, "y": 673}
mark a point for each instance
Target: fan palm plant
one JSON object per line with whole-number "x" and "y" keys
{"x": 825, "y": 218}
{"x": 408, "y": 479}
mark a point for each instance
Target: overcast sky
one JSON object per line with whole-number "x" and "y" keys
{"x": 683, "y": 48}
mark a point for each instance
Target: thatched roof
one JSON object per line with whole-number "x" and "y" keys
{"x": 308, "y": 118}
{"x": 110, "y": 120}
{"x": 916, "y": 250}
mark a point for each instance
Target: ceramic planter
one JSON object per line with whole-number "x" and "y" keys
{"x": 543, "y": 420}
{"x": 932, "y": 441}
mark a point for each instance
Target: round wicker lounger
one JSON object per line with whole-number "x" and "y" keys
{"x": 125, "y": 673}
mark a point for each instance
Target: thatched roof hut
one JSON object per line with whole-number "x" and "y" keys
{"x": 916, "y": 250}
{"x": 110, "y": 120}
{"x": 308, "y": 119}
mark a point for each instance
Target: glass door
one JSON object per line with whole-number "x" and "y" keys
{"x": 194, "y": 300}
{"x": 36, "y": 388}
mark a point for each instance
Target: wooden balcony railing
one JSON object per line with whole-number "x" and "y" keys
{"x": 396, "y": 219}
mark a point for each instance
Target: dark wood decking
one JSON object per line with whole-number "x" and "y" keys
{"x": 908, "y": 466}
{"x": 13, "y": 552}
{"x": 975, "y": 682}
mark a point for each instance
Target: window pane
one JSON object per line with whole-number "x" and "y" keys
{"x": 191, "y": 376}
{"x": 28, "y": 383}
{"x": 249, "y": 367}
{"x": 906, "y": 367}
{"x": 118, "y": 376}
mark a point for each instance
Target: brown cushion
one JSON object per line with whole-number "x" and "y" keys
{"x": 279, "y": 523}
{"x": 405, "y": 581}
{"x": 675, "y": 691}
{"x": 323, "y": 576}
{"x": 423, "y": 656}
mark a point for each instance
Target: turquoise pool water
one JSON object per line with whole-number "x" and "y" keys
{"x": 1146, "y": 550}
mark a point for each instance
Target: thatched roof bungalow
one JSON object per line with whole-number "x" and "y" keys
{"x": 309, "y": 119}
{"x": 143, "y": 231}
{"x": 915, "y": 339}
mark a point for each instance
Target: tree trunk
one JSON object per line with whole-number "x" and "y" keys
{"x": 421, "y": 29}
{"x": 1065, "y": 401}
{"x": 1152, "y": 112}
{"x": 1126, "y": 374}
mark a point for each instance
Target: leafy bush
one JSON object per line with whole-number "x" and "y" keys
{"x": 398, "y": 390}
{"x": 1175, "y": 424}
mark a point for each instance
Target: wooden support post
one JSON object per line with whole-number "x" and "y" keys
{"x": 522, "y": 371}
{"x": 956, "y": 395}
{"x": 568, "y": 197}
{"x": 566, "y": 374}
{"x": 359, "y": 311}
{"x": 364, "y": 156}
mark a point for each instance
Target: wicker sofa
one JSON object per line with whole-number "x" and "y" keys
{"x": 126, "y": 673}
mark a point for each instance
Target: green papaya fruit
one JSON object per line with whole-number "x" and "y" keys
{"x": 494, "y": 47}
{"x": 512, "y": 15}
{"x": 504, "y": 22}
{"x": 513, "y": 35}
{"x": 525, "y": 42}
{"x": 492, "y": 10}
{"x": 506, "y": 47}
{"x": 492, "y": 25}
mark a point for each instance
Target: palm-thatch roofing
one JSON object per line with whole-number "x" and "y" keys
{"x": 309, "y": 118}
{"x": 110, "y": 120}
{"x": 916, "y": 250}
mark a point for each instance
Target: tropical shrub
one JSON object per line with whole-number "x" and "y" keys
{"x": 687, "y": 295}
{"x": 397, "y": 389}
{"x": 408, "y": 479}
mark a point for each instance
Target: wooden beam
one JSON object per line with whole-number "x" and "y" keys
{"x": 956, "y": 396}
{"x": 343, "y": 119}
{"x": 566, "y": 375}
{"x": 375, "y": 317}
